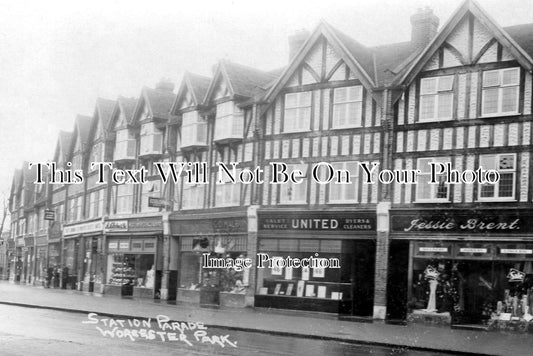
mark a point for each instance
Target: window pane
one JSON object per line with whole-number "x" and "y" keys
{"x": 305, "y": 98}
{"x": 510, "y": 99}
{"x": 423, "y": 189}
{"x": 505, "y": 188}
{"x": 355, "y": 93}
{"x": 445, "y": 83}
{"x": 490, "y": 101}
{"x": 491, "y": 78}
{"x": 445, "y": 105}
{"x": 511, "y": 76}
{"x": 427, "y": 107}
{"x": 290, "y": 100}
{"x": 428, "y": 86}
{"x": 340, "y": 95}
{"x": 487, "y": 191}
{"x": 506, "y": 162}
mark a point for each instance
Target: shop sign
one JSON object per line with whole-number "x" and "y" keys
{"x": 145, "y": 224}
{"x": 28, "y": 241}
{"x": 49, "y": 214}
{"x": 113, "y": 245}
{"x": 116, "y": 225}
{"x": 210, "y": 226}
{"x": 124, "y": 245}
{"x": 20, "y": 242}
{"x": 516, "y": 251}
{"x": 92, "y": 226}
{"x": 433, "y": 249}
{"x": 486, "y": 222}
{"x": 472, "y": 250}
{"x": 312, "y": 221}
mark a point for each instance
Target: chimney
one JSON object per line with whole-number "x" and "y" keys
{"x": 165, "y": 84}
{"x": 424, "y": 27}
{"x": 296, "y": 41}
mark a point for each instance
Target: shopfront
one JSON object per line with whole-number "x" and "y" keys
{"x": 336, "y": 254}
{"x": 41, "y": 250}
{"x": 28, "y": 259}
{"x": 83, "y": 256}
{"x": 469, "y": 268}
{"x": 53, "y": 264}
{"x": 133, "y": 257}
{"x": 201, "y": 239}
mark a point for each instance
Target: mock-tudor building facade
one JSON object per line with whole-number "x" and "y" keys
{"x": 443, "y": 252}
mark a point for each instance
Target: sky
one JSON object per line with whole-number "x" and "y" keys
{"x": 57, "y": 57}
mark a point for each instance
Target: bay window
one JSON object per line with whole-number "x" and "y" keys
{"x": 347, "y": 107}
{"x": 436, "y": 99}
{"x": 297, "y": 112}
{"x": 151, "y": 139}
{"x": 193, "y": 130}
{"x": 124, "y": 145}
{"x": 500, "y": 92}
{"x": 124, "y": 198}
{"x": 504, "y": 189}
{"x": 431, "y": 192}
{"x": 229, "y": 122}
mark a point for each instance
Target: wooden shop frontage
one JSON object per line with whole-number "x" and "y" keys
{"x": 466, "y": 267}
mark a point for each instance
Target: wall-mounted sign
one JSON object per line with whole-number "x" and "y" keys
{"x": 462, "y": 221}
{"x": 229, "y": 225}
{"x": 91, "y": 226}
{"x": 116, "y": 225}
{"x": 322, "y": 221}
{"x": 49, "y": 214}
{"x": 145, "y": 224}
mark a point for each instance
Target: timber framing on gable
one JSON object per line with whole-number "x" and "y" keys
{"x": 466, "y": 15}
{"x": 322, "y": 35}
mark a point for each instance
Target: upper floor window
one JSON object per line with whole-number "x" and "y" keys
{"x": 347, "y": 107}
{"x": 500, "y": 91}
{"x": 436, "y": 99}
{"x": 97, "y": 154}
{"x": 193, "y": 130}
{"x": 124, "y": 198}
{"x": 342, "y": 191}
{"x": 227, "y": 193}
{"x": 193, "y": 194}
{"x": 124, "y": 145}
{"x": 95, "y": 204}
{"x": 297, "y": 112}
{"x": 151, "y": 139}
{"x": 504, "y": 189}
{"x": 427, "y": 191}
{"x": 294, "y": 193}
{"x": 150, "y": 189}
{"x": 229, "y": 122}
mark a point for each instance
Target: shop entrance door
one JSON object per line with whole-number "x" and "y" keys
{"x": 476, "y": 290}
{"x": 363, "y": 277}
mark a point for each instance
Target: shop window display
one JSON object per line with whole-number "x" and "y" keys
{"x": 498, "y": 294}
{"x": 133, "y": 269}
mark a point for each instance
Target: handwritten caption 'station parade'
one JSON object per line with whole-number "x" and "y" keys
{"x": 162, "y": 328}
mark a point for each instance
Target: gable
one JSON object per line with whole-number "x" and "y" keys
{"x": 322, "y": 64}
{"x": 470, "y": 42}
{"x": 121, "y": 121}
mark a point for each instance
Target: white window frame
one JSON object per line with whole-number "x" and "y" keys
{"x": 302, "y": 112}
{"x": 148, "y": 136}
{"x": 286, "y": 188}
{"x": 229, "y": 121}
{"x": 500, "y": 86}
{"x": 192, "y": 194}
{"x": 435, "y": 96}
{"x": 124, "y": 199}
{"x": 353, "y": 168}
{"x": 353, "y": 102}
{"x": 228, "y": 194}
{"x": 512, "y": 171}
{"x": 192, "y": 127}
{"x": 423, "y": 165}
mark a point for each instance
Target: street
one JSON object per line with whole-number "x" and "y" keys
{"x": 33, "y": 331}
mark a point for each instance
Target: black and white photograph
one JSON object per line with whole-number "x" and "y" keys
{"x": 294, "y": 177}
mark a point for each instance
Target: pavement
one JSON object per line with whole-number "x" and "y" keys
{"x": 309, "y": 325}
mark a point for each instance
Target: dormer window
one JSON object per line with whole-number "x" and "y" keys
{"x": 436, "y": 99}
{"x": 229, "y": 124}
{"x": 151, "y": 140}
{"x": 193, "y": 130}
{"x": 124, "y": 145}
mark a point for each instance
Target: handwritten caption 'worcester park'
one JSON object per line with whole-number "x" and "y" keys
{"x": 161, "y": 328}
